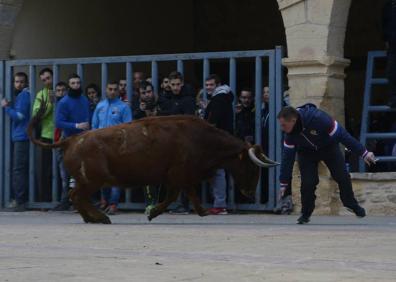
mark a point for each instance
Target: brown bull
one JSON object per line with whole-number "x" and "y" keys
{"x": 177, "y": 151}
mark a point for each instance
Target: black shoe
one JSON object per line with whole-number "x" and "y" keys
{"x": 303, "y": 220}
{"x": 62, "y": 207}
{"x": 358, "y": 210}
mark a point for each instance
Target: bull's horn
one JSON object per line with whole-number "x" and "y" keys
{"x": 259, "y": 162}
{"x": 268, "y": 160}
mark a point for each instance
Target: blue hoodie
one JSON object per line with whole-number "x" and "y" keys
{"x": 318, "y": 131}
{"x": 111, "y": 112}
{"x": 69, "y": 112}
{"x": 20, "y": 116}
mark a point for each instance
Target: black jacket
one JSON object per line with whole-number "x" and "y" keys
{"x": 219, "y": 111}
{"x": 182, "y": 104}
{"x": 245, "y": 123}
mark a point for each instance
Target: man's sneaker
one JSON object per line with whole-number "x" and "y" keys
{"x": 358, "y": 210}
{"x": 303, "y": 220}
{"x": 217, "y": 211}
{"x": 62, "y": 207}
{"x": 179, "y": 210}
{"x": 112, "y": 210}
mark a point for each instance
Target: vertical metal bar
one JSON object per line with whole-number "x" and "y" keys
{"x": 233, "y": 86}
{"x": 32, "y": 155}
{"x": 7, "y": 137}
{"x": 271, "y": 124}
{"x": 366, "y": 103}
{"x": 2, "y": 73}
{"x": 129, "y": 78}
{"x": 80, "y": 72}
{"x": 258, "y": 102}
{"x": 206, "y": 72}
{"x": 154, "y": 75}
{"x": 233, "y": 78}
{"x": 278, "y": 106}
{"x": 104, "y": 77}
{"x": 55, "y": 80}
{"x": 180, "y": 66}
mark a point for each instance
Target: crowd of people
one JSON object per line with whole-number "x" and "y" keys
{"x": 70, "y": 110}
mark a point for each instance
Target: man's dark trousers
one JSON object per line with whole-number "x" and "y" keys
{"x": 308, "y": 163}
{"x": 20, "y": 171}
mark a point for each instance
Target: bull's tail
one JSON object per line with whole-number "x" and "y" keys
{"x": 33, "y": 125}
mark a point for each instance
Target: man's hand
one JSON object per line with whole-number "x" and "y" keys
{"x": 82, "y": 126}
{"x": 370, "y": 158}
{"x": 4, "y": 103}
{"x": 142, "y": 106}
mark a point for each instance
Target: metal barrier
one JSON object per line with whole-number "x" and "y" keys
{"x": 273, "y": 57}
{"x": 369, "y": 108}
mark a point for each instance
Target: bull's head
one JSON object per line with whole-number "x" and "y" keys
{"x": 246, "y": 172}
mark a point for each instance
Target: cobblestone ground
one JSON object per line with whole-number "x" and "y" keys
{"x": 36, "y": 246}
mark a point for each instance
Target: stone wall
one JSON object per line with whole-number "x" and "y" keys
{"x": 376, "y": 192}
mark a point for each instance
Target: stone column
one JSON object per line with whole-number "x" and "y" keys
{"x": 315, "y": 32}
{"x": 9, "y": 10}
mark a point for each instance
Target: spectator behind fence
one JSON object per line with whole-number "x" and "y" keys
{"x": 245, "y": 117}
{"x": 147, "y": 101}
{"x": 285, "y": 203}
{"x": 122, "y": 88}
{"x": 148, "y": 107}
{"x": 19, "y": 114}
{"x": 389, "y": 35}
{"x": 43, "y": 156}
{"x": 72, "y": 113}
{"x": 138, "y": 77}
{"x": 165, "y": 87}
{"x": 110, "y": 112}
{"x": 93, "y": 94}
{"x": 60, "y": 92}
{"x": 219, "y": 112}
{"x": 178, "y": 102}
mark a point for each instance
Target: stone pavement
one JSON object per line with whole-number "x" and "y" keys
{"x": 37, "y": 246}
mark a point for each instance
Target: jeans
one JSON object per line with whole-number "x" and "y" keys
{"x": 20, "y": 171}
{"x": 334, "y": 160}
{"x": 64, "y": 176}
{"x": 219, "y": 187}
{"x": 111, "y": 195}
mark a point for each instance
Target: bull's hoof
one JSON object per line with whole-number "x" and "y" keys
{"x": 153, "y": 213}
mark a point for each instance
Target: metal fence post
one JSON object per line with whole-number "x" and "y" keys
{"x": 7, "y": 137}
{"x": 104, "y": 77}
{"x": 258, "y": 103}
{"x": 32, "y": 155}
{"x": 55, "y": 170}
{"x": 154, "y": 76}
{"x": 2, "y": 70}
{"x": 180, "y": 66}
{"x": 278, "y": 106}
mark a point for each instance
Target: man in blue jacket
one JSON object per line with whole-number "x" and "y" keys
{"x": 110, "y": 112}
{"x": 72, "y": 117}
{"x": 19, "y": 115}
{"x": 315, "y": 136}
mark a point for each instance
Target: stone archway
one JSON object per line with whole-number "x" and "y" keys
{"x": 315, "y": 32}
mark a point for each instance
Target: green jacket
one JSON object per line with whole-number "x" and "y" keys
{"x": 47, "y": 125}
